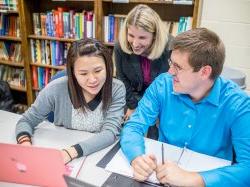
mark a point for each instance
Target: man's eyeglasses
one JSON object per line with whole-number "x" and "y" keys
{"x": 176, "y": 67}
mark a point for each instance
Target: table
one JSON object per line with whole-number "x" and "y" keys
{"x": 49, "y": 135}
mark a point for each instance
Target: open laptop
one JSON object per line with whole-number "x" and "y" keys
{"x": 73, "y": 182}
{"x": 31, "y": 165}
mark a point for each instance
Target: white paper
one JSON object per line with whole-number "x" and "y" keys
{"x": 190, "y": 160}
{"x": 73, "y": 168}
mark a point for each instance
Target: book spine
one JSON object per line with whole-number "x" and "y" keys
{"x": 36, "y": 23}
{"x": 34, "y": 77}
{"x": 89, "y": 24}
{"x": 60, "y": 22}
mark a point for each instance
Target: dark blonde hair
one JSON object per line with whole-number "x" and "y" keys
{"x": 89, "y": 47}
{"x": 142, "y": 16}
{"x": 204, "y": 47}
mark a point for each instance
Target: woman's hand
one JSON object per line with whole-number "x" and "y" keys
{"x": 24, "y": 140}
{"x": 69, "y": 154}
{"x": 26, "y": 143}
{"x": 128, "y": 114}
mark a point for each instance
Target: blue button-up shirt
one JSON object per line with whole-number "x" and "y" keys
{"x": 216, "y": 125}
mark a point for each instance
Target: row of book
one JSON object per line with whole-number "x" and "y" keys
{"x": 64, "y": 24}
{"x": 14, "y": 76}
{"x": 10, "y": 51}
{"x": 112, "y": 26}
{"x": 49, "y": 52}
{"x": 184, "y": 24}
{"x": 6, "y": 5}
{"x": 9, "y": 25}
{"x": 41, "y": 76}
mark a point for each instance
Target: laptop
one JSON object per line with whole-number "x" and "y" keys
{"x": 31, "y": 165}
{"x": 73, "y": 182}
{"x": 114, "y": 180}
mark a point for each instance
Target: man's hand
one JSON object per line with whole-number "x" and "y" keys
{"x": 128, "y": 114}
{"x": 143, "y": 166}
{"x": 171, "y": 173}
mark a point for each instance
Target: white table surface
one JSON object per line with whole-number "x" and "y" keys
{"x": 49, "y": 135}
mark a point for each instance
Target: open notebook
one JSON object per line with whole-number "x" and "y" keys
{"x": 187, "y": 159}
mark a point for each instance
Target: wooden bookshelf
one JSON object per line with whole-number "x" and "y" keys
{"x": 11, "y": 38}
{"x": 18, "y": 88}
{"x": 48, "y": 66}
{"x": 32, "y": 36}
{"x": 166, "y": 9}
{"x": 11, "y": 63}
{"x": 9, "y": 11}
{"x": 109, "y": 44}
{"x": 145, "y": 1}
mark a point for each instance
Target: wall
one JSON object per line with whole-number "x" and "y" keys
{"x": 230, "y": 19}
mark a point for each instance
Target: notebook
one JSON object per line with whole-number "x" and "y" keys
{"x": 31, "y": 165}
{"x": 185, "y": 158}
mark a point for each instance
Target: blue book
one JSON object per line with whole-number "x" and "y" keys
{"x": 181, "y": 27}
{"x": 53, "y": 52}
{"x": 48, "y": 23}
{"x": 112, "y": 28}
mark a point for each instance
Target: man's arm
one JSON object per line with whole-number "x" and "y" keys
{"x": 132, "y": 138}
{"x": 237, "y": 174}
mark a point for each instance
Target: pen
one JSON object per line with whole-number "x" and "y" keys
{"x": 183, "y": 149}
{"x": 162, "y": 153}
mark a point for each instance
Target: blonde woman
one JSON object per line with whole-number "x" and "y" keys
{"x": 141, "y": 53}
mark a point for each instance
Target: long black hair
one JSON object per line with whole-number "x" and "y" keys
{"x": 89, "y": 47}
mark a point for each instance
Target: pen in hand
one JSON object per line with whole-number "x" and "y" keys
{"x": 162, "y": 154}
{"x": 163, "y": 162}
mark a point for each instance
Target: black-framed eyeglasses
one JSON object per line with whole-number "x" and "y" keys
{"x": 176, "y": 67}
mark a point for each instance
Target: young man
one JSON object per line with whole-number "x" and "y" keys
{"x": 197, "y": 109}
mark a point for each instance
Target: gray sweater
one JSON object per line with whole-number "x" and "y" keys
{"x": 55, "y": 97}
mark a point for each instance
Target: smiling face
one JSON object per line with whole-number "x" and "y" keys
{"x": 139, "y": 39}
{"x": 90, "y": 73}
{"x": 185, "y": 80}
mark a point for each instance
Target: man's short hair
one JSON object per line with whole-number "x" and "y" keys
{"x": 204, "y": 47}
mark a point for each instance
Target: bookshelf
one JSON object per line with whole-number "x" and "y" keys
{"x": 10, "y": 38}
{"x": 169, "y": 11}
{"x": 30, "y": 37}
{"x": 12, "y": 66}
